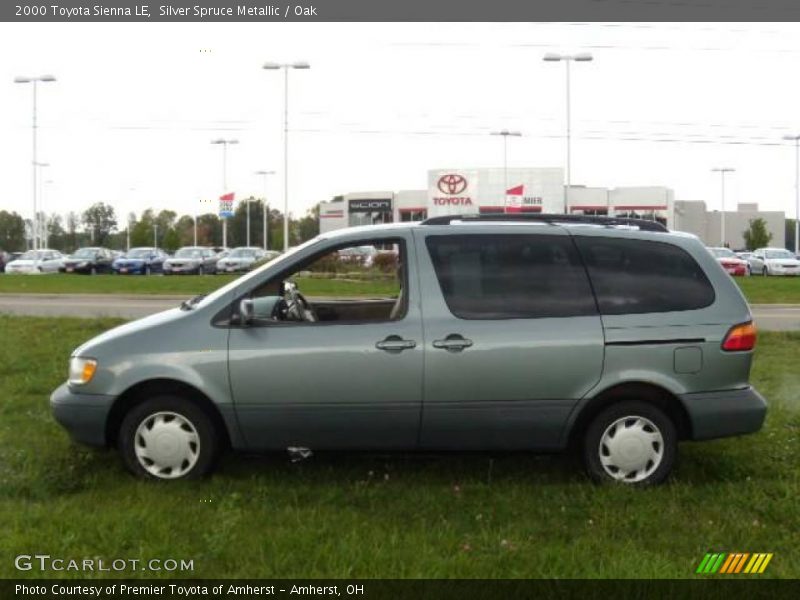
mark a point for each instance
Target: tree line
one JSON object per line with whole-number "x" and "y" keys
{"x": 99, "y": 225}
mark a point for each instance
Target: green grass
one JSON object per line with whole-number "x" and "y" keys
{"x": 770, "y": 290}
{"x": 187, "y": 285}
{"x": 375, "y": 516}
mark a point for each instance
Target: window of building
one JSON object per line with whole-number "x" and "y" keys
{"x": 409, "y": 215}
{"x": 636, "y": 276}
{"x": 511, "y": 276}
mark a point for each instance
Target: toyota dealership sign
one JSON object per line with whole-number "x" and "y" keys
{"x": 452, "y": 192}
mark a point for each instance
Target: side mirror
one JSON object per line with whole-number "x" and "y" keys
{"x": 246, "y": 311}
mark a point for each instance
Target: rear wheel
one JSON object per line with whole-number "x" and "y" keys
{"x": 168, "y": 437}
{"x": 630, "y": 442}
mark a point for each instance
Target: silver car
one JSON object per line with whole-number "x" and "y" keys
{"x": 240, "y": 259}
{"x": 530, "y": 334}
{"x": 775, "y": 261}
{"x": 36, "y": 261}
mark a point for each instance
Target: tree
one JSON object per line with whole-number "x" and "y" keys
{"x": 12, "y": 232}
{"x": 209, "y": 230}
{"x": 790, "y": 224}
{"x": 100, "y": 220}
{"x": 184, "y": 227}
{"x": 757, "y": 235}
{"x": 72, "y": 230}
{"x": 55, "y": 232}
{"x": 308, "y": 227}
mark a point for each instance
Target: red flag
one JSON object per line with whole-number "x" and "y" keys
{"x": 515, "y": 191}
{"x": 227, "y": 197}
{"x": 514, "y": 204}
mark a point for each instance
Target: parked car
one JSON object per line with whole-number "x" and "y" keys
{"x": 777, "y": 261}
{"x": 143, "y": 261}
{"x": 729, "y": 261}
{"x": 191, "y": 260}
{"x": 620, "y": 341}
{"x": 360, "y": 255}
{"x": 88, "y": 260}
{"x": 240, "y": 259}
{"x": 36, "y": 261}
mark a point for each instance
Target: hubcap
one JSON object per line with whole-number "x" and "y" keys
{"x": 167, "y": 445}
{"x": 631, "y": 449}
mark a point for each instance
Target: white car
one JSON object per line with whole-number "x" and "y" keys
{"x": 776, "y": 261}
{"x": 36, "y": 261}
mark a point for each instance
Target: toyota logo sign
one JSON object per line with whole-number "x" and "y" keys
{"x": 452, "y": 184}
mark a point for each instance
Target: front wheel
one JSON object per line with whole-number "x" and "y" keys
{"x": 630, "y": 442}
{"x": 168, "y": 437}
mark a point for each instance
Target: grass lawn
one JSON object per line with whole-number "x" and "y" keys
{"x": 188, "y": 285}
{"x": 373, "y": 516}
{"x": 770, "y": 290}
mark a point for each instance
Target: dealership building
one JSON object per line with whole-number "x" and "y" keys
{"x": 534, "y": 190}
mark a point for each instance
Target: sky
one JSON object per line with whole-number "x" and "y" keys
{"x": 130, "y": 119}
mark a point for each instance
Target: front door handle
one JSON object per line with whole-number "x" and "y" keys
{"x": 453, "y": 343}
{"x": 395, "y": 344}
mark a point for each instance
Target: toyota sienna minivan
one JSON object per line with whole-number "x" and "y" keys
{"x": 612, "y": 336}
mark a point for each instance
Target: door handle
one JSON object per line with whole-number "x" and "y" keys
{"x": 395, "y": 344}
{"x": 453, "y": 343}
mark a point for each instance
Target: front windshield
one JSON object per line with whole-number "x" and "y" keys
{"x": 85, "y": 253}
{"x": 32, "y": 255}
{"x": 139, "y": 253}
{"x": 189, "y": 253}
{"x": 723, "y": 253}
{"x": 242, "y": 253}
{"x": 779, "y": 254}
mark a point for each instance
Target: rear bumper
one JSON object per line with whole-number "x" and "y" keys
{"x": 724, "y": 414}
{"x": 82, "y": 415}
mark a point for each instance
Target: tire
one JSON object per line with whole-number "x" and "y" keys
{"x": 643, "y": 461}
{"x": 189, "y": 441}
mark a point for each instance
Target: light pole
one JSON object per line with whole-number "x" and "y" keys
{"x": 35, "y": 81}
{"x": 722, "y": 171}
{"x": 567, "y": 59}
{"x": 286, "y": 67}
{"x": 265, "y": 209}
{"x": 225, "y": 143}
{"x": 505, "y": 133}
{"x": 796, "y": 140}
{"x": 45, "y": 231}
{"x": 40, "y": 227}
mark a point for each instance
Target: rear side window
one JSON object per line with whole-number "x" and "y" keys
{"x": 636, "y": 276}
{"x": 511, "y": 276}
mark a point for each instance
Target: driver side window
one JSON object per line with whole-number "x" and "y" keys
{"x": 352, "y": 283}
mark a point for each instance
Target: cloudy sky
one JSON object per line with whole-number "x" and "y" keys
{"x": 131, "y": 117}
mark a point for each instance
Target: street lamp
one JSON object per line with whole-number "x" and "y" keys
{"x": 567, "y": 59}
{"x": 40, "y": 220}
{"x": 45, "y": 231}
{"x": 225, "y": 143}
{"x": 796, "y": 140}
{"x": 265, "y": 210}
{"x": 271, "y": 66}
{"x": 722, "y": 171}
{"x": 505, "y": 133}
{"x": 34, "y": 81}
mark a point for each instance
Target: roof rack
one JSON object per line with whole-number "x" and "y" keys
{"x": 642, "y": 224}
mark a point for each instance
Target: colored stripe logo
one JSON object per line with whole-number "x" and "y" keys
{"x": 734, "y": 563}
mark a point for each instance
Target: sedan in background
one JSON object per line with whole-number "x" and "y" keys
{"x": 88, "y": 260}
{"x": 777, "y": 261}
{"x": 36, "y": 261}
{"x": 142, "y": 261}
{"x": 240, "y": 259}
{"x": 733, "y": 265}
{"x": 192, "y": 260}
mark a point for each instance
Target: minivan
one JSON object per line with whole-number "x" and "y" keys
{"x": 614, "y": 337}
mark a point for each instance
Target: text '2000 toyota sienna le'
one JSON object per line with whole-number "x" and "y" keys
{"x": 491, "y": 332}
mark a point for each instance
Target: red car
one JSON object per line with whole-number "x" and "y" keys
{"x": 732, "y": 264}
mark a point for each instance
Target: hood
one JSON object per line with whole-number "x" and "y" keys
{"x": 175, "y": 259}
{"x": 129, "y": 261}
{"x": 24, "y": 263}
{"x": 786, "y": 262}
{"x": 732, "y": 260}
{"x": 237, "y": 260}
{"x": 149, "y": 322}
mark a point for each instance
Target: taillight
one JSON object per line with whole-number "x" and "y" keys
{"x": 740, "y": 338}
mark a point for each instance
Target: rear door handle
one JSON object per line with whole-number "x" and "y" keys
{"x": 453, "y": 343}
{"x": 395, "y": 344}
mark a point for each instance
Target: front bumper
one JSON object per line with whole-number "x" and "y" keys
{"x": 724, "y": 414}
{"x": 128, "y": 269}
{"x": 82, "y": 415}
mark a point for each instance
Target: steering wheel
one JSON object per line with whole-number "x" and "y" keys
{"x": 297, "y": 307}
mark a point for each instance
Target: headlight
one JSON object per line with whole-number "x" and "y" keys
{"x": 81, "y": 370}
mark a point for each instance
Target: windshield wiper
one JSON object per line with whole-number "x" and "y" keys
{"x": 189, "y": 304}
